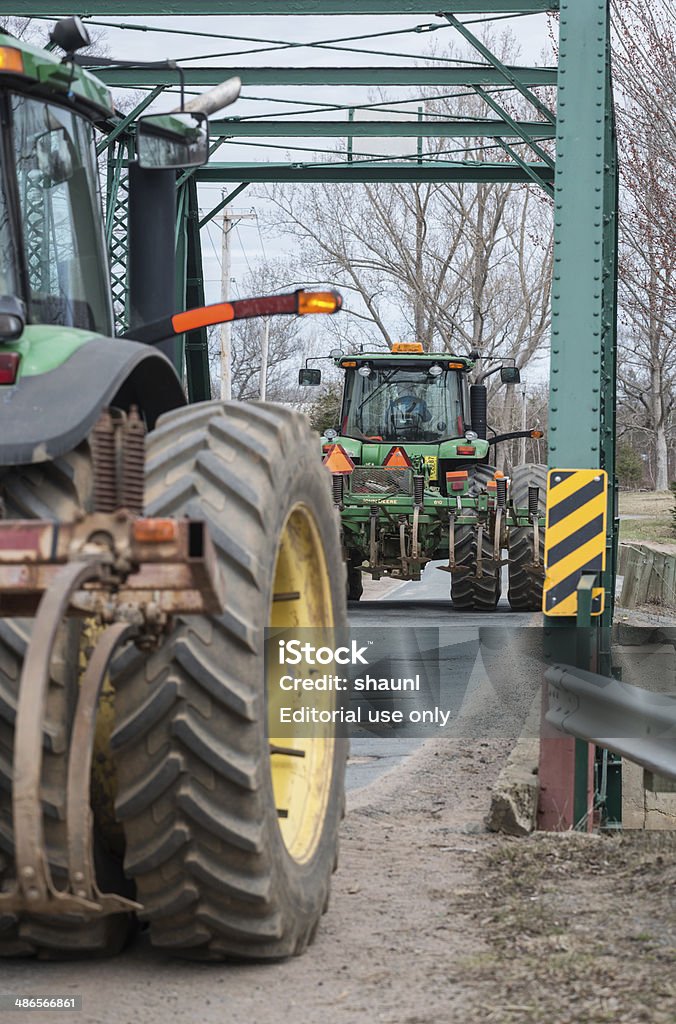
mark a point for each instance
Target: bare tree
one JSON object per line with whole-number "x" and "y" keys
{"x": 455, "y": 266}
{"x": 645, "y": 73}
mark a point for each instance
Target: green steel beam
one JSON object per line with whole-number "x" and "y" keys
{"x": 546, "y": 185}
{"x": 519, "y": 127}
{"x": 583, "y": 159}
{"x": 364, "y": 171}
{"x": 148, "y": 78}
{"x": 506, "y": 72}
{"x": 231, "y": 8}
{"x": 371, "y": 129}
{"x": 583, "y": 332}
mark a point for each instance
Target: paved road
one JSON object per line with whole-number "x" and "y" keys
{"x": 466, "y": 688}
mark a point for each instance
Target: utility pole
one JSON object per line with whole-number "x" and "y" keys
{"x": 265, "y": 342}
{"x": 229, "y": 219}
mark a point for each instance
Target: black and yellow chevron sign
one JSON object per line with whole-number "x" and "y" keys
{"x": 575, "y": 537}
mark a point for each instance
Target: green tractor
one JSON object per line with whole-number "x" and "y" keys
{"x": 145, "y": 544}
{"x": 412, "y": 478}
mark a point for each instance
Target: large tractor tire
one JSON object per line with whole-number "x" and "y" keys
{"x": 525, "y": 585}
{"x": 231, "y": 844}
{"x": 467, "y": 592}
{"x": 54, "y": 490}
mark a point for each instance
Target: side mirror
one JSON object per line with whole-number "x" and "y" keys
{"x": 308, "y": 377}
{"x": 172, "y": 141}
{"x": 510, "y": 375}
{"x": 12, "y": 318}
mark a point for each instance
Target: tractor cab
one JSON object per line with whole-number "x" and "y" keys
{"x": 404, "y": 397}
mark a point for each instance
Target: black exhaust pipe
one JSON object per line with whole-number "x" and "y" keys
{"x": 478, "y": 409}
{"x": 152, "y": 252}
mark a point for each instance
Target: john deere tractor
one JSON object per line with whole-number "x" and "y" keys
{"x": 145, "y": 544}
{"x": 413, "y": 480}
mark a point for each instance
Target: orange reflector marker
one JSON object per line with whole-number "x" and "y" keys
{"x": 397, "y": 458}
{"x": 456, "y": 479}
{"x": 348, "y": 362}
{"x": 318, "y": 302}
{"x": 338, "y": 462}
{"x": 407, "y": 346}
{"x": 155, "y": 531}
{"x": 491, "y": 485}
{"x": 466, "y": 449}
{"x": 11, "y": 60}
{"x": 456, "y": 366}
{"x": 203, "y": 316}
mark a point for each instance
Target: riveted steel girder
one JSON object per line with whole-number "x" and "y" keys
{"x": 129, "y": 8}
{"x": 367, "y": 129}
{"x": 364, "y": 171}
{"x": 283, "y": 77}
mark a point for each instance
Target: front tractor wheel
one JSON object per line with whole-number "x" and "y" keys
{"x": 231, "y": 834}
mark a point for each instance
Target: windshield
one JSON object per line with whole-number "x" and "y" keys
{"x": 61, "y": 217}
{"x": 402, "y": 404}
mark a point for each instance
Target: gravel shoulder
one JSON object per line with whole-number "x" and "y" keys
{"x": 432, "y": 921}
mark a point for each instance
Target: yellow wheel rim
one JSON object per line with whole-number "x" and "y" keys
{"x": 301, "y": 782}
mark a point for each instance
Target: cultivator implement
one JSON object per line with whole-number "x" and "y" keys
{"x": 129, "y": 575}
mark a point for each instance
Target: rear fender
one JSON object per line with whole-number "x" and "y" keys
{"x": 47, "y": 415}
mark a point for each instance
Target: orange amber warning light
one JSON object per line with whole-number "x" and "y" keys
{"x": 11, "y": 60}
{"x": 318, "y": 302}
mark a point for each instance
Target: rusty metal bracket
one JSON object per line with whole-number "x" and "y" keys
{"x": 81, "y": 874}
{"x": 373, "y": 543}
{"x": 536, "y": 544}
{"x": 497, "y": 534}
{"x": 402, "y": 543}
{"x": 452, "y": 565}
{"x": 414, "y": 537}
{"x": 34, "y": 889}
{"x": 479, "y": 551}
{"x": 179, "y": 574}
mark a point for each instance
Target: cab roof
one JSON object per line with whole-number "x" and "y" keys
{"x": 405, "y": 359}
{"x": 35, "y": 71}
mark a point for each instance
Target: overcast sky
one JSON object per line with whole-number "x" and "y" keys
{"x": 530, "y": 34}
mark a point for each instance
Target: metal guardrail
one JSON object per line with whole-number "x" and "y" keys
{"x": 634, "y": 723}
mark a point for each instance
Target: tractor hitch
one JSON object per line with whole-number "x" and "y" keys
{"x": 130, "y": 574}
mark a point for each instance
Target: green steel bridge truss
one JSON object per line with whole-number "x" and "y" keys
{"x": 581, "y": 180}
